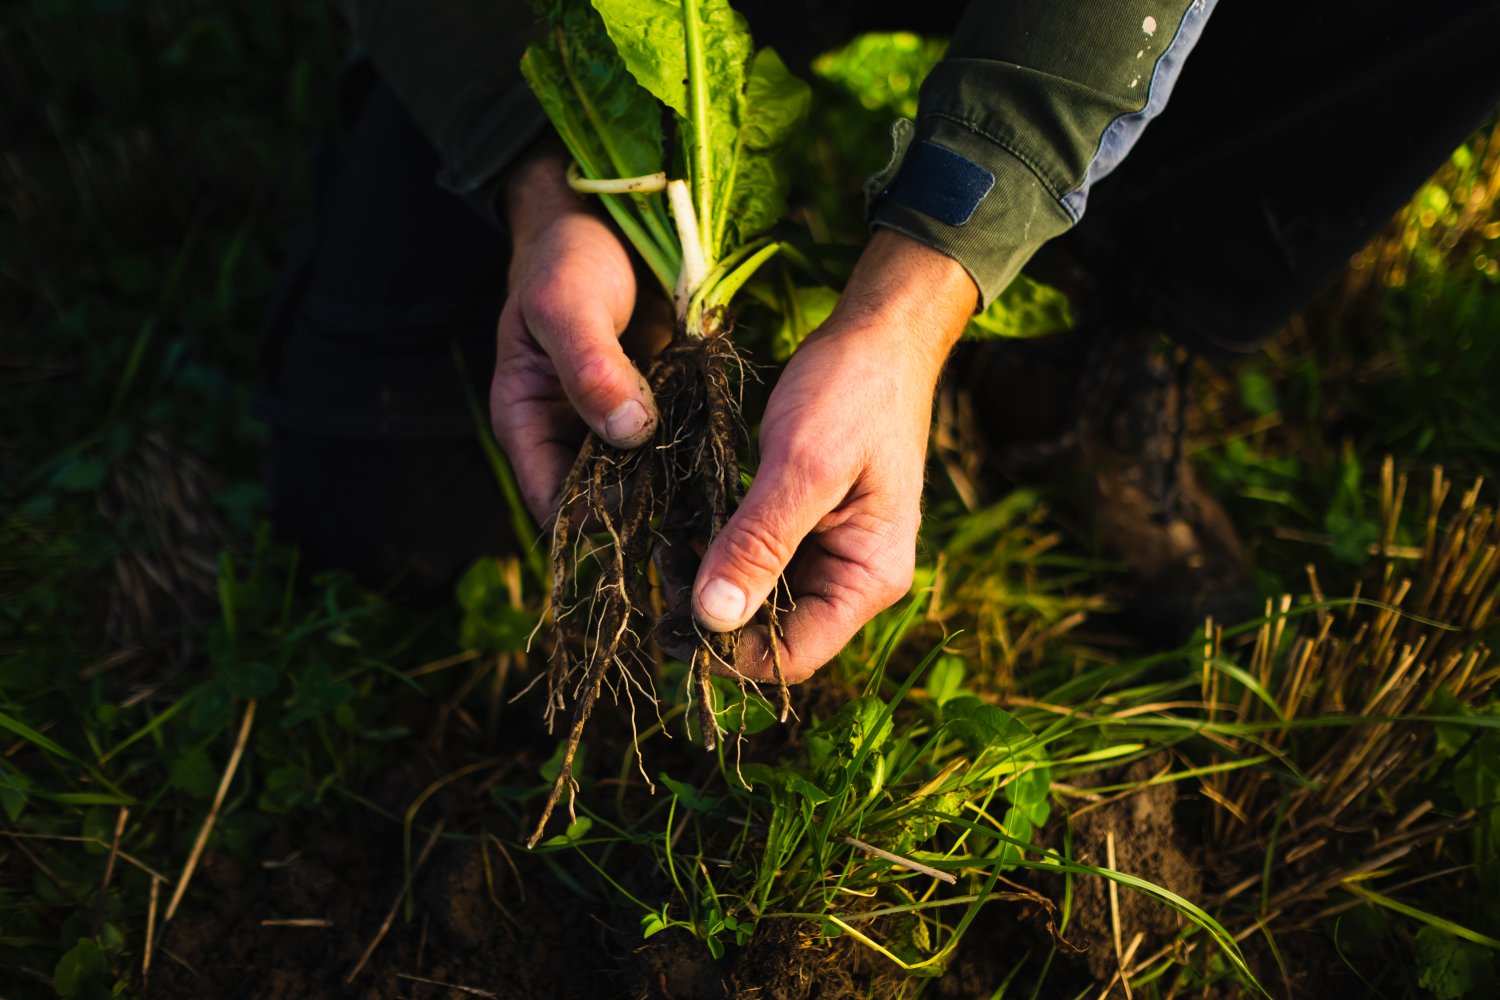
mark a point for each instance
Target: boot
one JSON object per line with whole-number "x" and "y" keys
{"x": 1102, "y": 414}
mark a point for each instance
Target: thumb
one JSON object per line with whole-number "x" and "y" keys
{"x": 752, "y": 551}
{"x": 609, "y": 392}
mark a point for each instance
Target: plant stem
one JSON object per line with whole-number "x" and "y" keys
{"x": 641, "y": 226}
{"x": 644, "y": 184}
{"x": 694, "y": 263}
{"x": 698, "y": 115}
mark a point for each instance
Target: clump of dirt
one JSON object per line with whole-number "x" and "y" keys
{"x": 623, "y": 512}
{"x": 787, "y": 960}
{"x": 674, "y": 965}
{"x": 1148, "y": 844}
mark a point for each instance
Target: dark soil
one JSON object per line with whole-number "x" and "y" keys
{"x": 509, "y": 924}
{"x": 1148, "y": 844}
{"x": 530, "y": 938}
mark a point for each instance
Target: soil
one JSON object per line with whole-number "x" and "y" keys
{"x": 532, "y": 936}
{"x": 1148, "y": 844}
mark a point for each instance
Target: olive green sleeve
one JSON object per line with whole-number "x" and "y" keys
{"x": 455, "y": 66}
{"x": 1035, "y": 101}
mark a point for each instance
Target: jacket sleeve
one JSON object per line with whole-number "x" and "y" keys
{"x": 1035, "y": 101}
{"x": 455, "y": 66}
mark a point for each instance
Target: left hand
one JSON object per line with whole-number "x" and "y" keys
{"x": 836, "y": 502}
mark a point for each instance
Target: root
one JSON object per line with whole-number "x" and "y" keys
{"x": 623, "y": 512}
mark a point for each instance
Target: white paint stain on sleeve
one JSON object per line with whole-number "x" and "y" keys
{"x": 1149, "y": 26}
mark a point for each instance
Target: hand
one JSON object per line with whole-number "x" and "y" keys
{"x": 836, "y": 502}
{"x": 558, "y": 359}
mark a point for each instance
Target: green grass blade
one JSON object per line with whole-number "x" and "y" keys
{"x": 24, "y": 731}
{"x": 1430, "y": 919}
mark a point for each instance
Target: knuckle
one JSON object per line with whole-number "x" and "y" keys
{"x": 892, "y": 576}
{"x": 595, "y": 378}
{"x": 545, "y": 299}
{"x": 798, "y": 672}
{"x": 755, "y": 549}
{"x": 813, "y": 459}
{"x": 890, "y": 590}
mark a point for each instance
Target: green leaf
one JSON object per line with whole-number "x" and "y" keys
{"x": 883, "y": 71}
{"x": 24, "y": 731}
{"x": 211, "y": 707}
{"x": 1257, "y": 391}
{"x": 98, "y": 826}
{"x": 286, "y": 786}
{"x": 753, "y": 196}
{"x": 611, "y": 126}
{"x": 998, "y": 737}
{"x": 945, "y": 679}
{"x": 714, "y": 125}
{"x": 690, "y": 796}
{"x": 15, "y": 789}
{"x": 81, "y": 966}
{"x": 776, "y": 102}
{"x": 576, "y": 831}
{"x": 786, "y": 780}
{"x": 652, "y": 923}
{"x": 247, "y": 678}
{"x": 1030, "y": 793}
{"x": 111, "y": 939}
{"x": 736, "y": 708}
{"x": 803, "y": 310}
{"x": 651, "y": 41}
{"x": 1449, "y": 968}
{"x": 984, "y": 726}
{"x": 318, "y": 694}
{"x": 700, "y": 74}
{"x": 491, "y": 622}
{"x": 1352, "y": 536}
{"x": 626, "y": 122}
{"x": 552, "y": 766}
{"x": 1026, "y": 308}
{"x": 194, "y": 774}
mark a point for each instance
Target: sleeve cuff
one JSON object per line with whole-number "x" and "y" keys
{"x": 476, "y": 168}
{"x": 968, "y": 197}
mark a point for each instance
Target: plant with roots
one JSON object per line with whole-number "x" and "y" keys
{"x": 693, "y": 197}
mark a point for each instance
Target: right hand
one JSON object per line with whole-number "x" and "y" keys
{"x": 559, "y": 365}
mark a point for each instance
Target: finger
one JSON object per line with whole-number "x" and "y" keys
{"x": 790, "y": 495}
{"x": 532, "y": 418}
{"x": 837, "y": 597}
{"x": 583, "y": 341}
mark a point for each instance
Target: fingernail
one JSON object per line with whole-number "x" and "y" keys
{"x": 722, "y": 602}
{"x": 625, "y": 424}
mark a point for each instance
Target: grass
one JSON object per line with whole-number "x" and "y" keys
{"x": 178, "y": 699}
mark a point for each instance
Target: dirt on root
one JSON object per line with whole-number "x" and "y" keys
{"x": 657, "y": 506}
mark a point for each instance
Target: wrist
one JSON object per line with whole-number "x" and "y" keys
{"x": 904, "y": 295}
{"x": 536, "y": 192}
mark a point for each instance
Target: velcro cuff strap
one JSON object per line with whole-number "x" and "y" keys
{"x": 938, "y": 182}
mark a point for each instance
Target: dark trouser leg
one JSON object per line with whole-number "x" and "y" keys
{"x": 1294, "y": 134}
{"x": 375, "y": 460}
